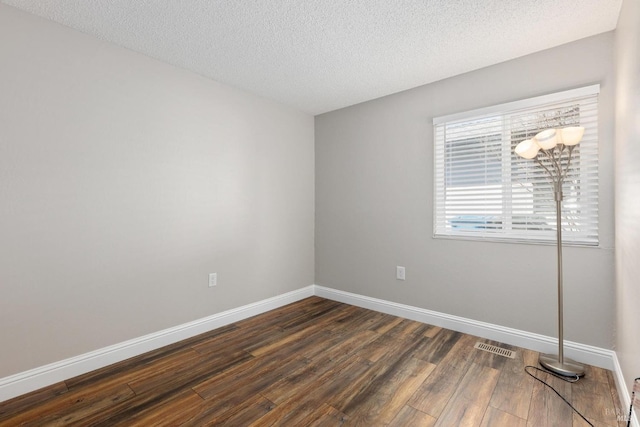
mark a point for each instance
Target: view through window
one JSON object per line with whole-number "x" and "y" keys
{"x": 483, "y": 190}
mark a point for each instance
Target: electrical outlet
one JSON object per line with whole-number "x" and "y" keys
{"x": 213, "y": 279}
{"x": 400, "y": 273}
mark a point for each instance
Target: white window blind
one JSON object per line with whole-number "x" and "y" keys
{"x": 483, "y": 190}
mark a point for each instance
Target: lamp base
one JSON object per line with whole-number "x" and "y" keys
{"x": 570, "y": 368}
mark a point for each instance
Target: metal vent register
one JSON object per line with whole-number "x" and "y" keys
{"x": 495, "y": 350}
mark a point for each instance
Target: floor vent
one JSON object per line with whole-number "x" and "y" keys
{"x": 495, "y": 350}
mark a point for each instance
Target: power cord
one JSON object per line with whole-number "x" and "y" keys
{"x": 566, "y": 379}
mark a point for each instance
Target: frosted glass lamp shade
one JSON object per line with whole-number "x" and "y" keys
{"x": 547, "y": 139}
{"x": 572, "y": 135}
{"x": 527, "y": 149}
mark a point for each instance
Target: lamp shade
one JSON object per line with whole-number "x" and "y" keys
{"x": 572, "y": 135}
{"x": 527, "y": 149}
{"x": 547, "y": 139}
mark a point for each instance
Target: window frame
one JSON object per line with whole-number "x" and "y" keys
{"x": 506, "y": 233}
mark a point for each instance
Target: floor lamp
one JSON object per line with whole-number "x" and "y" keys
{"x": 548, "y": 148}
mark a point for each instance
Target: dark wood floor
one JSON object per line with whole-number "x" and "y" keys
{"x": 320, "y": 363}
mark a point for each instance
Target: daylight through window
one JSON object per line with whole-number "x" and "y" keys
{"x": 483, "y": 190}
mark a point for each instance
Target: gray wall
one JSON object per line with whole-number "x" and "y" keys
{"x": 374, "y": 192}
{"x": 627, "y": 169}
{"x": 124, "y": 182}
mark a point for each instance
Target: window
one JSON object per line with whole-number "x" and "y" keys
{"x": 483, "y": 190}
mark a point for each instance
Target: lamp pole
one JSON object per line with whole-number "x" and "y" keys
{"x": 552, "y": 145}
{"x": 558, "y": 197}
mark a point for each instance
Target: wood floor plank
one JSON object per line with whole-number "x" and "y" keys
{"x": 382, "y": 380}
{"x": 432, "y": 331}
{"x": 461, "y": 413}
{"x": 312, "y": 317}
{"x": 73, "y": 405}
{"x": 387, "y": 323}
{"x": 179, "y": 410}
{"x": 245, "y": 337}
{"x": 434, "y": 394}
{"x": 174, "y": 375}
{"x": 600, "y": 407}
{"x": 311, "y": 375}
{"x": 255, "y": 330}
{"x": 469, "y": 403}
{"x": 513, "y": 391}
{"x": 168, "y": 389}
{"x": 409, "y": 416}
{"x": 333, "y": 383}
{"x": 28, "y": 401}
{"x": 407, "y": 330}
{"x": 620, "y": 411}
{"x": 167, "y": 366}
{"x": 386, "y": 345}
{"x": 325, "y": 416}
{"x": 236, "y": 409}
{"x": 580, "y": 422}
{"x": 376, "y": 349}
{"x": 296, "y": 336}
{"x": 496, "y": 418}
{"x": 218, "y": 411}
{"x": 253, "y": 376}
{"x": 441, "y": 345}
{"x": 356, "y": 319}
{"x": 478, "y": 384}
{"x": 317, "y": 362}
{"x": 259, "y": 372}
{"x": 252, "y": 410}
{"x": 546, "y": 408}
{"x": 391, "y": 395}
{"x": 145, "y": 359}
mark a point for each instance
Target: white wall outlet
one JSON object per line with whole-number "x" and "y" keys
{"x": 213, "y": 279}
{"x": 400, "y": 273}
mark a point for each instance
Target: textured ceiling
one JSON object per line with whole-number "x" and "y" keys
{"x": 321, "y": 55}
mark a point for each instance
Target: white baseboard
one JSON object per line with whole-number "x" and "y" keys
{"x": 43, "y": 376}
{"x": 625, "y": 397}
{"x": 584, "y": 353}
{"x": 34, "y": 379}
